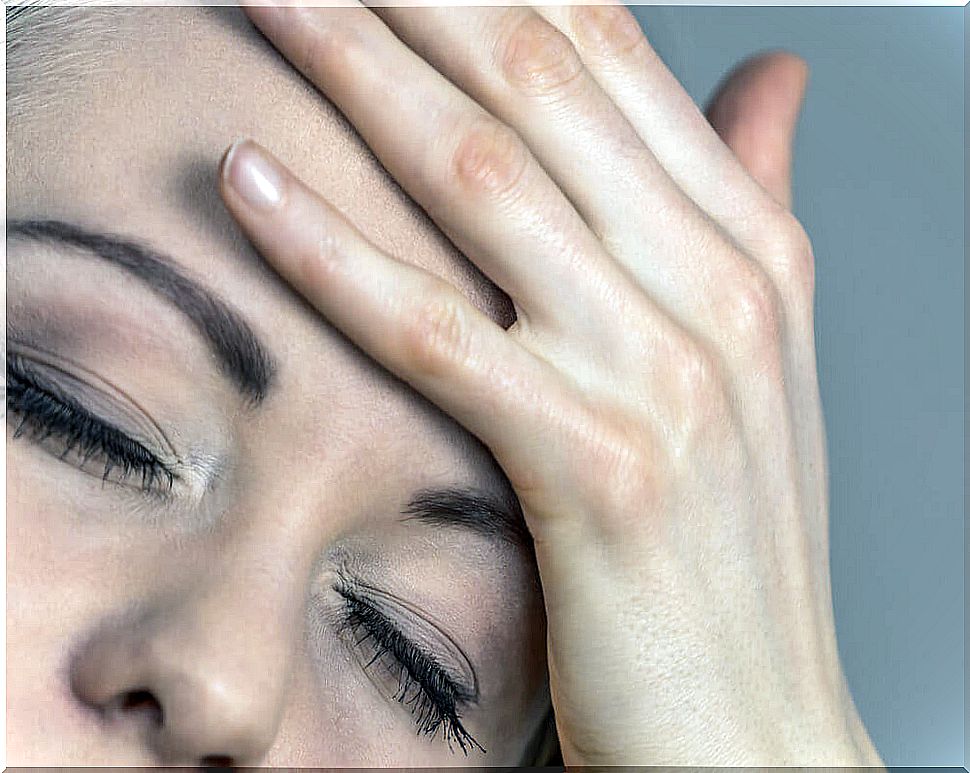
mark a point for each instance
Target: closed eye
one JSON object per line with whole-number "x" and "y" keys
{"x": 420, "y": 681}
{"x": 59, "y": 423}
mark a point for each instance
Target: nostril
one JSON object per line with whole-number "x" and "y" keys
{"x": 217, "y": 761}
{"x": 142, "y": 701}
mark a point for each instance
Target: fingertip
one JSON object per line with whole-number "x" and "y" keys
{"x": 790, "y": 66}
{"x": 784, "y": 68}
{"x": 227, "y": 155}
{"x": 253, "y": 175}
{"x": 755, "y": 111}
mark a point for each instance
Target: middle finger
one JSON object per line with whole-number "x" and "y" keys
{"x": 472, "y": 174}
{"x": 527, "y": 73}
{"x": 503, "y": 201}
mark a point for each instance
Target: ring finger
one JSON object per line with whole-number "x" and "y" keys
{"x": 504, "y": 203}
{"x": 471, "y": 173}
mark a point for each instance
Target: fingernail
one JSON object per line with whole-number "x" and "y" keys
{"x": 253, "y": 175}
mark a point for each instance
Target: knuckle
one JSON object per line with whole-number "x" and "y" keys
{"x": 789, "y": 253}
{"x": 608, "y": 31}
{"x": 322, "y": 259}
{"x": 623, "y": 470}
{"x": 325, "y": 257}
{"x": 437, "y": 333}
{"x": 536, "y": 58}
{"x": 322, "y": 48}
{"x": 490, "y": 157}
{"x": 754, "y": 310}
{"x": 698, "y": 379}
{"x": 698, "y": 402}
{"x": 638, "y": 339}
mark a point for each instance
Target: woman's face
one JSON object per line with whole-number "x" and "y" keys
{"x": 210, "y": 556}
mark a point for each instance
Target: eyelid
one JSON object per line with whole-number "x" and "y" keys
{"x": 100, "y": 393}
{"x": 415, "y": 625}
{"x": 195, "y": 476}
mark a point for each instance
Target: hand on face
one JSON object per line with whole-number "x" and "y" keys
{"x": 655, "y": 404}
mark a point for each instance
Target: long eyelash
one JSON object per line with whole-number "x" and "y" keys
{"x": 45, "y": 412}
{"x": 433, "y": 698}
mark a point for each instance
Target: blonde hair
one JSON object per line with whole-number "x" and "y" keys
{"x": 50, "y": 48}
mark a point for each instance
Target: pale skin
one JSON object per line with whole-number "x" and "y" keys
{"x": 655, "y": 405}
{"x": 220, "y": 603}
{"x": 669, "y": 641}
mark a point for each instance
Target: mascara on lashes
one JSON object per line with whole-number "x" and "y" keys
{"x": 429, "y": 689}
{"x": 45, "y": 411}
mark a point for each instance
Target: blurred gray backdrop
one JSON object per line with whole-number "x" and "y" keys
{"x": 879, "y": 185}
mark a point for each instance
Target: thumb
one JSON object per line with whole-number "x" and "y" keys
{"x": 755, "y": 110}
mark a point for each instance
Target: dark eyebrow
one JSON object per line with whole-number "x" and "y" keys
{"x": 243, "y": 358}
{"x": 494, "y": 517}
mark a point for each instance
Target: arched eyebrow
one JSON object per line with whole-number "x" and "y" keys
{"x": 244, "y": 359}
{"x": 491, "y": 516}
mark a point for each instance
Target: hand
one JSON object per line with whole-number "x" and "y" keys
{"x": 755, "y": 111}
{"x": 655, "y": 404}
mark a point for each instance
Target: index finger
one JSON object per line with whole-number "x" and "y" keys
{"x": 412, "y": 322}
{"x": 475, "y": 175}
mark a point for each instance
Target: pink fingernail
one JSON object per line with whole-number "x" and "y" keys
{"x": 253, "y": 175}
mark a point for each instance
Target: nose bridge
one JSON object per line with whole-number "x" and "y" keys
{"x": 212, "y": 653}
{"x": 223, "y": 664}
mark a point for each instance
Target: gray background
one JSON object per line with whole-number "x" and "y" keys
{"x": 879, "y": 185}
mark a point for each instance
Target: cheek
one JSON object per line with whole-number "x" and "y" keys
{"x": 74, "y": 558}
{"x": 58, "y": 582}
{"x": 66, "y": 540}
{"x": 56, "y": 567}
{"x": 333, "y": 713}
{"x": 520, "y": 656}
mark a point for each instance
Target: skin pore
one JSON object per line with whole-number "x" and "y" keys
{"x": 233, "y": 615}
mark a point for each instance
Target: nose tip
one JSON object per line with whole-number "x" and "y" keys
{"x": 143, "y": 702}
{"x": 215, "y": 717}
{"x": 189, "y": 704}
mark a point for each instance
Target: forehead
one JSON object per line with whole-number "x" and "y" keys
{"x": 119, "y": 121}
{"x": 146, "y": 99}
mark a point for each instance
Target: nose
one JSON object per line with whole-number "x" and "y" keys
{"x": 199, "y": 677}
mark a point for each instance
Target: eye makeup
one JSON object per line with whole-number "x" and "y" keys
{"x": 435, "y": 688}
{"x": 44, "y": 412}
